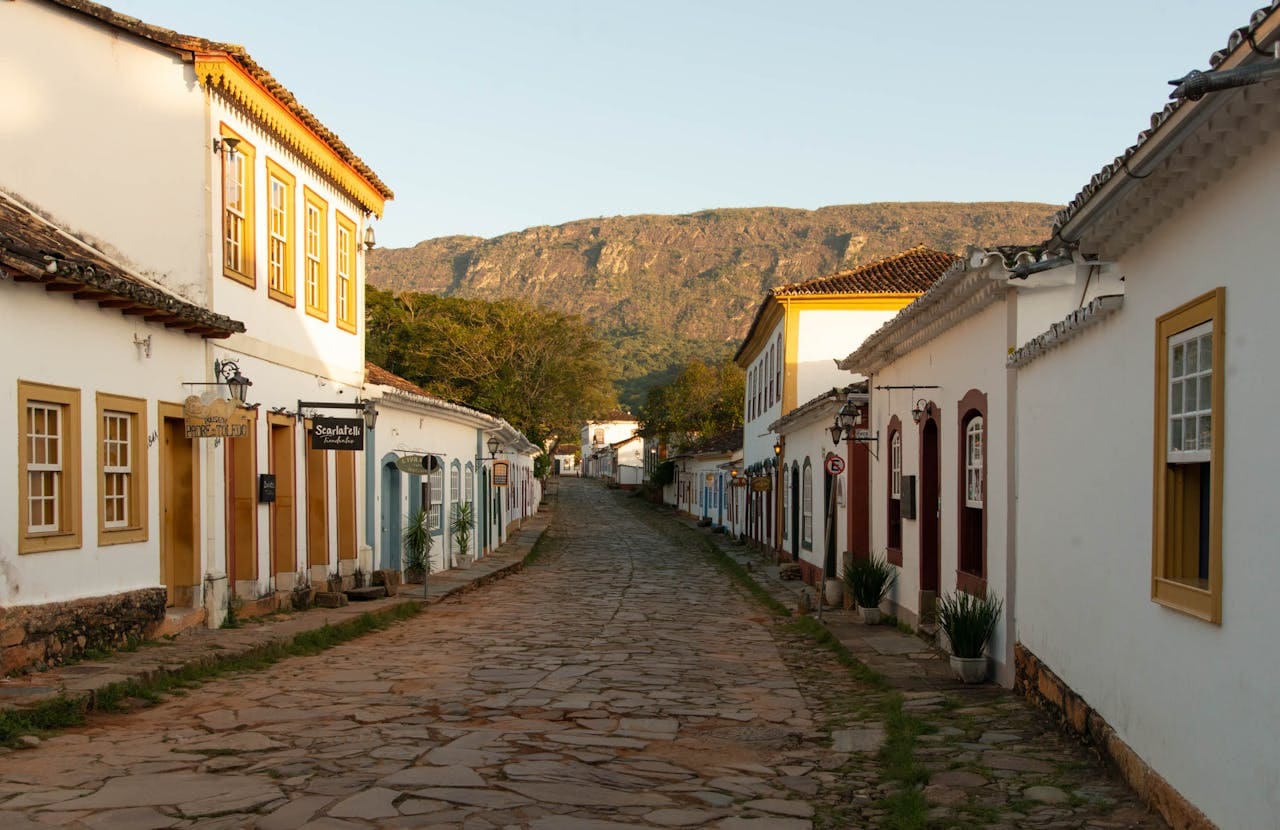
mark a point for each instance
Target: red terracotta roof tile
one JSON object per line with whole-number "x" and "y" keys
{"x": 909, "y": 272}
{"x": 375, "y": 374}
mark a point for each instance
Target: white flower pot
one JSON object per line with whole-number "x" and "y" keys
{"x": 970, "y": 669}
{"x": 870, "y": 616}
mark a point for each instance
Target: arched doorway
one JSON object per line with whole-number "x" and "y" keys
{"x": 391, "y": 524}
{"x": 795, "y": 512}
{"x": 930, "y": 537}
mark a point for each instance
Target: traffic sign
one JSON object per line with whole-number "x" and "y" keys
{"x": 835, "y": 465}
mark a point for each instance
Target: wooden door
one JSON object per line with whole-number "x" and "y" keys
{"x": 317, "y": 462}
{"x": 284, "y": 510}
{"x": 179, "y": 509}
{"x": 929, "y": 508}
{"x": 344, "y": 464}
{"x": 242, "y": 505}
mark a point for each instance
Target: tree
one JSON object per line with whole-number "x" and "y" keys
{"x": 703, "y": 400}
{"x": 545, "y": 372}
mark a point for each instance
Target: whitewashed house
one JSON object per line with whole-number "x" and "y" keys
{"x": 941, "y": 504}
{"x": 626, "y": 461}
{"x": 798, "y": 333}
{"x": 705, "y": 474}
{"x": 207, "y": 179}
{"x": 598, "y": 436}
{"x": 1146, "y": 533}
{"x": 816, "y": 493}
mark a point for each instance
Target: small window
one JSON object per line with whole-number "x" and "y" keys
{"x": 49, "y": 468}
{"x": 122, "y": 464}
{"x": 1187, "y": 542}
{"x": 469, "y": 484}
{"x": 435, "y": 511}
{"x": 280, "y": 232}
{"x": 893, "y": 540}
{"x": 345, "y": 273}
{"x": 316, "y": 250}
{"x": 786, "y": 505}
{"x": 777, "y": 369}
{"x": 973, "y": 463}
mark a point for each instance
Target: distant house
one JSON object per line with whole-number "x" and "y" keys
{"x": 565, "y": 459}
{"x": 703, "y": 483}
{"x": 1146, "y": 526}
{"x": 598, "y": 436}
{"x": 796, "y": 336}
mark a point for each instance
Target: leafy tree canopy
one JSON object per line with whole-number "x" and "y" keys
{"x": 703, "y": 400}
{"x": 544, "y": 371}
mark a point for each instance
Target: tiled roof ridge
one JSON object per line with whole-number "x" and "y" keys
{"x": 193, "y": 43}
{"x": 917, "y": 252}
{"x": 30, "y": 252}
{"x": 373, "y": 373}
{"x": 1238, "y": 38}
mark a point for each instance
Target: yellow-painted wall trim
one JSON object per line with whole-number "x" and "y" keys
{"x": 845, "y": 302}
{"x": 791, "y": 337}
{"x": 219, "y": 72}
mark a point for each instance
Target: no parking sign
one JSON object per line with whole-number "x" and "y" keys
{"x": 834, "y": 465}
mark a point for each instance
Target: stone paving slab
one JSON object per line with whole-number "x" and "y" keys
{"x": 204, "y": 646}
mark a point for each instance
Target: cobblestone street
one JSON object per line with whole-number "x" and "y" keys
{"x": 621, "y": 681}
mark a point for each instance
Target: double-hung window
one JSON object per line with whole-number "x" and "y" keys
{"x": 1190, "y": 386}
{"x": 971, "y": 573}
{"x": 122, "y": 469}
{"x": 435, "y": 518}
{"x": 49, "y": 468}
{"x": 894, "y": 529}
{"x": 280, "y": 233}
{"x": 237, "y": 209}
{"x": 345, "y": 272}
{"x": 316, "y": 249}
{"x": 469, "y": 484}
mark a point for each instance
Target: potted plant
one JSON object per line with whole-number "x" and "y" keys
{"x": 869, "y": 581}
{"x": 969, "y": 621}
{"x": 460, "y": 526}
{"x": 417, "y": 547}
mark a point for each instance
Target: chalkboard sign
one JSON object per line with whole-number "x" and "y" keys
{"x": 266, "y": 488}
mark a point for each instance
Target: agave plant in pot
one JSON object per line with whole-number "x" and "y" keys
{"x": 417, "y": 547}
{"x": 969, "y": 621}
{"x": 869, "y": 581}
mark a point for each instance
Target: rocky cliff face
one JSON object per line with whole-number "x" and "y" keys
{"x": 663, "y": 288}
{"x": 702, "y": 274}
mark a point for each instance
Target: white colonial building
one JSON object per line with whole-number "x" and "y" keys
{"x": 208, "y": 193}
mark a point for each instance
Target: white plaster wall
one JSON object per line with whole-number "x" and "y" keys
{"x": 970, "y": 355}
{"x": 95, "y": 354}
{"x": 757, "y": 440}
{"x": 825, "y": 337}
{"x": 614, "y": 431}
{"x": 812, "y": 441}
{"x": 274, "y": 330}
{"x": 107, "y": 133}
{"x": 1046, "y": 298}
{"x": 274, "y": 387}
{"x": 1197, "y": 701}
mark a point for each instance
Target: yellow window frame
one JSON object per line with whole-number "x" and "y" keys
{"x": 316, "y": 260}
{"x": 137, "y": 527}
{"x": 1169, "y": 525}
{"x": 286, "y": 293}
{"x": 247, "y": 274}
{"x": 346, "y": 312}
{"x": 69, "y": 534}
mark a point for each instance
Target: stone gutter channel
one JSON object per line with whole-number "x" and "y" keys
{"x": 204, "y": 647}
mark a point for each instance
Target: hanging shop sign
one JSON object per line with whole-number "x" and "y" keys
{"x": 834, "y": 465}
{"x": 762, "y": 484}
{"x": 739, "y": 482}
{"x": 501, "y": 473}
{"x": 417, "y": 465}
{"x": 337, "y": 433}
{"x": 216, "y": 419}
{"x": 266, "y": 488}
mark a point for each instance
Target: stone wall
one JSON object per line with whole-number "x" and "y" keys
{"x": 39, "y": 636}
{"x": 1038, "y": 683}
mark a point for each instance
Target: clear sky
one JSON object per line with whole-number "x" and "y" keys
{"x": 489, "y": 116}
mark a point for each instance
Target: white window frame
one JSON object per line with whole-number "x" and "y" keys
{"x": 435, "y": 496}
{"x": 117, "y": 448}
{"x": 469, "y": 484}
{"x": 312, "y": 238}
{"x": 1198, "y": 382}
{"x": 806, "y": 505}
{"x": 236, "y": 220}
{"x": 895, "y": 466}
{"x": 973, "y": 472}
{"x": 278, "y": 234}
{"x": 50, "y": 471}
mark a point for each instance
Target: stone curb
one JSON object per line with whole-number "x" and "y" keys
{"x": 205, "y": 648}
